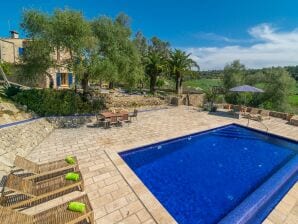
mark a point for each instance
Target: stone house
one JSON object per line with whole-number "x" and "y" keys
{"x": 13, "y": 47}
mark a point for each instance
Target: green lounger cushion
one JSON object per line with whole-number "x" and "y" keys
{"x": 76, "y": 206}
{"x": 70, "y": 160}
{"x": 72, "y": 176}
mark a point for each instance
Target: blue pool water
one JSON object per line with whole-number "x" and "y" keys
{"x": 203, "y": 177}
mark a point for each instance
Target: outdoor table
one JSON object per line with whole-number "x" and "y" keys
{"x": 108, "y": 114}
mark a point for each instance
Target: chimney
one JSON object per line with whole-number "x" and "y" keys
{"x": 14, "y": 34}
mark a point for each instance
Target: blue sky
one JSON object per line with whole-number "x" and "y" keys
{"x": 209, "y": 29}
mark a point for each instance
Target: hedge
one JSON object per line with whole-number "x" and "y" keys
{"x": 48, "y": 102}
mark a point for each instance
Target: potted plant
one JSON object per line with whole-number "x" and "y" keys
{"x": 211, "y": 96}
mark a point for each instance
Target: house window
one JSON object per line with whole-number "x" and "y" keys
{"x": 64, "y": 77}
{"x": 21, "y": 51}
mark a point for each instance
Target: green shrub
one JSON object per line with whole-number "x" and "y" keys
{"x": 11, "y": 91}
{"x": 47, "y": 102}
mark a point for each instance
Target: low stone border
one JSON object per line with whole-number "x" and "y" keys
{"x": 281, "y": 115}
{"x": 19, "y": 122}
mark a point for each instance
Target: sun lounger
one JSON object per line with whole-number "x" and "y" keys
{"x": 56, "y": 215}
{"x": 25, "y": 193}
{"x": 54, "y": 168}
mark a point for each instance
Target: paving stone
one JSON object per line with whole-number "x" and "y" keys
{"x": 143, "y": 215}
{"x": 130, "y": 220}
{"x": 116, "y": 204}
{"x": 113, "y": 217}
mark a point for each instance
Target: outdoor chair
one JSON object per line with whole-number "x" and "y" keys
{"x": 254, "y": 112}
{"x": 54, "y": 168}
{"x": 260, "y": 116}
{"x": 237, "y": 111}
{"x": 115, "y": 121}
{"x": 26, "y": 193}
{"x": 124, "y": 118}
{"x": 106, "y": 123}
{"x": 133, "y": 115}
{"x": 264, "y": 115}
{"x": 100, "y": 118}
{"x": 294, "y": 120}
{"x": 56, "y": 215}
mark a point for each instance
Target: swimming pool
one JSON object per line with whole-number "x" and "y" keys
{"x": 230, "y": 174}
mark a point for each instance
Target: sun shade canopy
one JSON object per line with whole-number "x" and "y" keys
{"x": 246, "y": 88}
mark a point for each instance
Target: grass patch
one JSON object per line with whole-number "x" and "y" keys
{"x": 293, "y": 100}
{"x": 203, "y": 83}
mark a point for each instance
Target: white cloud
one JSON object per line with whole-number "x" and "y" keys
{"x": 274, "y": 48}
{"x": 220, "y": 38}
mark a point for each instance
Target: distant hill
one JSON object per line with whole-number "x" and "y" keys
{"x": 293, "y": 70}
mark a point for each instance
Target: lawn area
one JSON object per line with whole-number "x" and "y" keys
{"x": 293, "y": 100}
{"x": 203, "y": 83}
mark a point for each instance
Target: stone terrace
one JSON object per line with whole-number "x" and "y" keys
{"x": 113, "y": 199}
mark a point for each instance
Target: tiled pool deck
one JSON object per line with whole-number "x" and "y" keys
{"x": 115, "y": 192}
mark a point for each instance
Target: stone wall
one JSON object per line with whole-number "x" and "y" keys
{"x": 119, "y": 100}
{"x": 69, "y": 121}
{"x": 21, "y": 139}
{"x": 196, "y": 100}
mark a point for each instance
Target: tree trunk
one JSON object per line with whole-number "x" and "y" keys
{"x": 85, "y": 81}
{"x": 51, "y": 80}
{"x": 179, "y": 89}
{"x": 153, "y": 79}
{"x": 111, "y": 85}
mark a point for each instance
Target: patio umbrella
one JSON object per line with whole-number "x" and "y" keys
{"x": 246, "y": 89}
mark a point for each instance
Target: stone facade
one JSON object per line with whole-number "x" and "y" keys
{"x": 21, "y": 139}
{"x": 12, "y": 48}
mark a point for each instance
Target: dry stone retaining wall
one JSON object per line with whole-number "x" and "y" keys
{"x": 21, "y": 139}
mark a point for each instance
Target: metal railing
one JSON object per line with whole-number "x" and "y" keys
{"x": 248, "y": 119}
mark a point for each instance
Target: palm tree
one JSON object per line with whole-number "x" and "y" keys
{"x": 179, "y": 64}
{"x": 155, "y": 66}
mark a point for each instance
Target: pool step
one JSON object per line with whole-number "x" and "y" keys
{"x": 236, "y": 136}
{"x": 235, "y": 133}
